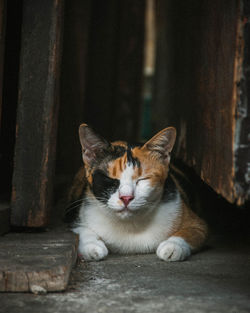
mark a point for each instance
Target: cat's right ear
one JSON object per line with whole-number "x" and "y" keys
{"x": 92, "y": 144}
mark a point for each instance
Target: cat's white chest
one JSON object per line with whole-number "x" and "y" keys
{"x": 132, "y": 236}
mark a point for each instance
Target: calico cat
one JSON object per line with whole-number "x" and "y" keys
{"x": 131, "y": 200}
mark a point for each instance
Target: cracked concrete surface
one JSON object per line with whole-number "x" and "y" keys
{"x": 215, "y": 280}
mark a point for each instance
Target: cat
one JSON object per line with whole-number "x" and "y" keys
{"x": 131, "y": 200}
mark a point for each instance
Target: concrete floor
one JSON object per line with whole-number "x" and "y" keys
{"x": 215, "y": 280}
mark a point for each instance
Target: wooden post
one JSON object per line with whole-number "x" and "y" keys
{"x": 199, "y": 89}
{"x": 37, "y": 112}
{"x": 242, "y": 96}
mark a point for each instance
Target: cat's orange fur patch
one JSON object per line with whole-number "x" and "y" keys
{"x": 116, "y": 167}
{"x": 150, "y": 166}
{"x": 120, "y": 143}
{"x": 192, "y": 228}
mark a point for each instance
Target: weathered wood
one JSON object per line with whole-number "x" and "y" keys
{"x": 32, "y": 260}
{"x": 37, "y": 112}
{"x": 242, "y": 123}
{"x": 4, "y": 218}
{"x": 197, "y": 86}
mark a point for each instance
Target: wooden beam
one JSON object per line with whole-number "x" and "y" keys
{"x": 37, "y": 112}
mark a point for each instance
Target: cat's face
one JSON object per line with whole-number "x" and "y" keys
{"x": 126, "y": 180}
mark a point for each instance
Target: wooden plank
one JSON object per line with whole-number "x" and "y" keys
{"x": 36, "y": 262}
{"x": 199, "y": 43}
{"x": 4, "y": 218}
{"x": 37, "y": 112}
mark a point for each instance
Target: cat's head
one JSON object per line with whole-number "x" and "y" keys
{"x": 127, "y": 180}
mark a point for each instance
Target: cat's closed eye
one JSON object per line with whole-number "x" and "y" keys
{"x": 141, "y": 179}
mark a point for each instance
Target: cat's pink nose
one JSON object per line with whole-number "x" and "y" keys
{"x": 126, "y": 199}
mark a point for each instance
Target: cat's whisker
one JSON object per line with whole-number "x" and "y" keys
{"x": 79, "y": 200}
{"x": 68, "y": 209}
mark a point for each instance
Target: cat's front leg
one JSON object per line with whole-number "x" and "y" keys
{"x": 91, "y": 248}
{"x": 173, "y": 249}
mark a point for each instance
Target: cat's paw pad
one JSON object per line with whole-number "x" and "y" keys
{"x": 173, "y": 249}
{"x": 93, "y": 251}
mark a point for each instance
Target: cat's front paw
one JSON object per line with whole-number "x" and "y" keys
{"x": 93, "y": 251}
{"x": 173, "y": 249}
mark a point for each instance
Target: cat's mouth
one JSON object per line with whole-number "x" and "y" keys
{"x": 124, "y": 213}
{"x": 125, "y": 209}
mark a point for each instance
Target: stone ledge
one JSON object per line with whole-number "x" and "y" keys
{"x": 36, "y": 261}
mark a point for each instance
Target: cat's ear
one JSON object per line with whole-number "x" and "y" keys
{"x": 92, "y": 144}
{"x": 162, "y": 143}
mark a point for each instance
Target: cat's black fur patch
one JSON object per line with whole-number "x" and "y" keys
{"x": 108, "y": 154}
{"x": 103, "y": 186}
{"x": 117, "y": 152}
{"x": 130, "y": 157}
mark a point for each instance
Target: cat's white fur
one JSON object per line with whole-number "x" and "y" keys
{"x": 145, "y": 196}
{"x": 173, "y": 249}
{"x": 144, "y": 227}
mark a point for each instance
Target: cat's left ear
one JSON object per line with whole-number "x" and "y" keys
{"x": 162, "y": 143}
{"x": 92, "y": 145}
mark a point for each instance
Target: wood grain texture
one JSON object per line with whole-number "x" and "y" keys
{"x": 36, "y": 259}
{"x": 37, "y": 112}
{"x": 242, "y": 127}
{"x": 199, "y": 52}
